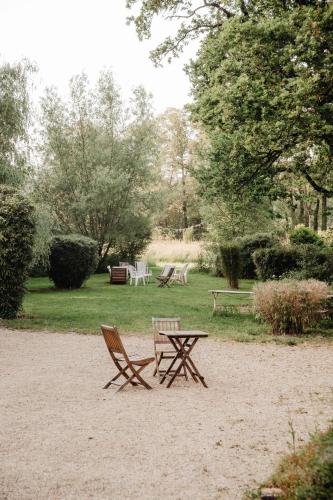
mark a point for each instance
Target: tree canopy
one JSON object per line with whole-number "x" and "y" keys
{"x": 98, "y": 162}
{"x": 263, "y": 91}
{"x": 14, "y": 120}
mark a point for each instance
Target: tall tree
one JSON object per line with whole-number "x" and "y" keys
{"x": 263, "y": 91}
{"x": 98, "y": 162}
{"x": 193, "y": 18}
{"x": 14, "y": 121}
{"x": 176, "y": 160}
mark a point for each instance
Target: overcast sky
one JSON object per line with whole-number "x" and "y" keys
{"x": 65, "y": 37}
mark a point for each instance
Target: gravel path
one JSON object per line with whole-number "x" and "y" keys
{"x": 63, "y": 437}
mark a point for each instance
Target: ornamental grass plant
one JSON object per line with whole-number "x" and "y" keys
{"x": 290, "y": 306}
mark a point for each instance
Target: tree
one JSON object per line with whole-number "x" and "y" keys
{"x": 193, "y": 18}
{"x": 176, "y": 159}
{"x": 98, "y": 161}
{"x": 14, "y": 121}
{"x": 263, "y": 92}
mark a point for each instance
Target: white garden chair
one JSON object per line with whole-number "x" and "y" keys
{"x": 135, "y": 275}
{"x": 142, "y": 267}
{"x": 180, "y": 274}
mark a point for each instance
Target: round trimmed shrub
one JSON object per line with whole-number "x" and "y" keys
{"x": 248, "y": 244}
{"x": 73, "y": 258}
{"x": 275, "y": 262}
{"x": 231, "y": 263}
{"x": 305, "y": 236}
{"x": 17, "y": 230}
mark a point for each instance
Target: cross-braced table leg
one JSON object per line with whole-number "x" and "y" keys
{"x": 183, "y": 354}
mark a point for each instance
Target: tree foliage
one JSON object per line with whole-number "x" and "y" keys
{"x": 263, "y": 91}
{"x": 16, "y": 241}
{"x": 14, "y": 120}
{"x": 98, "y": 161}
{"x": 193, "y": 19}
{"x": 179, "y": 199}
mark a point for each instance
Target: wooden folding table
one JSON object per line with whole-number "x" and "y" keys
{"x": 183, "y": 341}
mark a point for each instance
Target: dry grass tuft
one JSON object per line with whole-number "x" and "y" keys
{"x": 290, "y": 306}
{"x": 176, "y": 251}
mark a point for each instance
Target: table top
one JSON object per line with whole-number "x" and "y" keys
{"x": 231, "y": 291}
{"x": 183, "y": 333}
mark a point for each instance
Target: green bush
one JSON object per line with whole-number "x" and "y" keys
{"x": 314, "y": 262}
{"x": 73, "y": 259}
{"x": 38, "y": 270}
{"x": 17, "y": 229}
{"x": 248, "y": 244}
{"x": 231, "y": 263}
{"x": 305, "y": 236}
{"x": 275, "y": 262}
{"x": 306, "y": 474}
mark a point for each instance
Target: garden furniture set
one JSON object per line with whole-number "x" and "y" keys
{"x": 140, "y": 273}
{"x": 170, "y": 343}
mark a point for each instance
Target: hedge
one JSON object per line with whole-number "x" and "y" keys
{"x": 17, "y": 230}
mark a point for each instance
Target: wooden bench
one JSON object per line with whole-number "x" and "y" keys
{"x": 216, "y": 294}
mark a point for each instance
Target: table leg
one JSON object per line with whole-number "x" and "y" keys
{"x": 183, "y": 355}
{"x": 197, "y": 373}
{"x": 177, "y": 356}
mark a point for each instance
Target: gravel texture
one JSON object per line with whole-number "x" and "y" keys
{"x": 63, "y": 437}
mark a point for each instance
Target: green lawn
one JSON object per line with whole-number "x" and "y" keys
{"x": 131, "y": 308}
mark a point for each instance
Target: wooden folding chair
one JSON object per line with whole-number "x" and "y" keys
{"x": 165, "y": 280}
{"x": 162, "y": 345}
{"x": 129, "y": 367}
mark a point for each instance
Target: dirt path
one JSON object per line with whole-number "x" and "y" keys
{"x": 63, "y": 437}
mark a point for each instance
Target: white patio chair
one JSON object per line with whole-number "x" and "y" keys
{"x": 180, "y": 274}
{"x": 135, "y": 275}
{"x": 142, "y": 267}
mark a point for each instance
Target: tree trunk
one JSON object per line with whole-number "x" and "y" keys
{"x": 301, "y": 212}
{"x": 184, "y": 200}
{"x": 323, "y": 212}
{"x": 293, "y": 215}
{"x": 316, "y": 216}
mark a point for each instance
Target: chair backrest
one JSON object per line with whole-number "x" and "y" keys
{"x": 131, "y": 270}
{"x": 164, "y": 324}
{"x": 109, "y": 269}
{"x": 112, "y": 339}
{"x": 141, "y": 266}
{"x": 170, "y": 272}
{"x": 183, "y": 270}
{"x": 123, "y": 264}
{"x": 165, "y": 271}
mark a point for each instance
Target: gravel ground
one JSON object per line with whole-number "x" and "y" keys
{"x": 63, "y": 437}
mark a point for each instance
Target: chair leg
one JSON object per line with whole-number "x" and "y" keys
{"x": 121, "y": 372}
{"x": 158, "y": 362}
{"x": 136, "y": 374}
